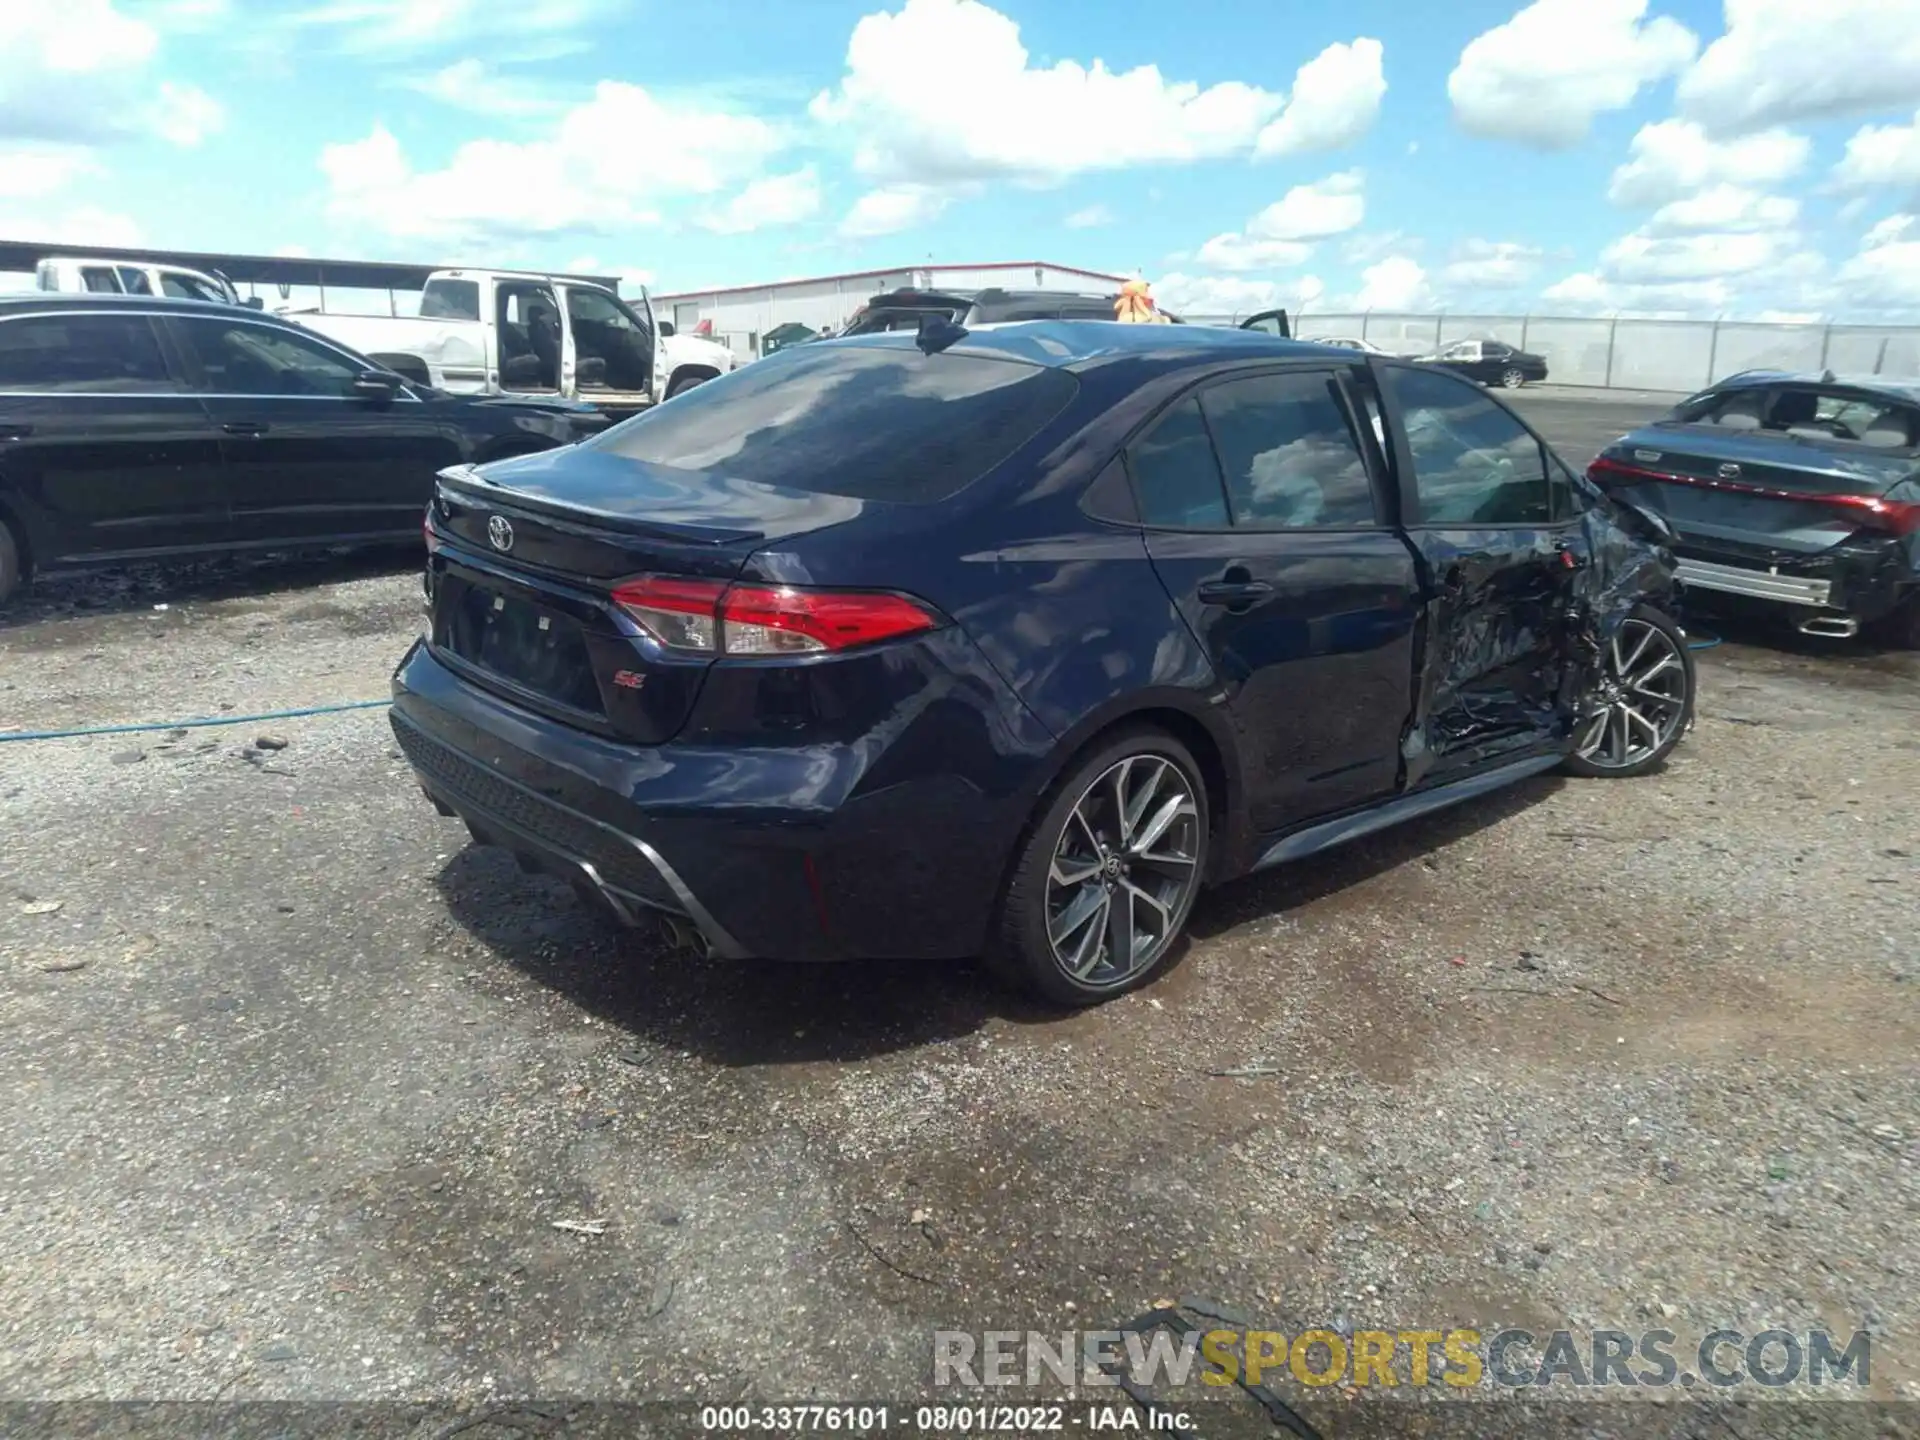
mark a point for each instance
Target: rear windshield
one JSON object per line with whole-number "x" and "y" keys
{"x": 867, "y": 421}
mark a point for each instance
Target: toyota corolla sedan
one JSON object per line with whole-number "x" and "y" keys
{"x": 940, "y": 645}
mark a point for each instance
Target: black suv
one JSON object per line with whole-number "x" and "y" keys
{"x": 136, "y": 428}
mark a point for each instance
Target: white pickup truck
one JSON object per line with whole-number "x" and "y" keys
{"x": 497, "y": 332}
{"x": 78, "y": 274}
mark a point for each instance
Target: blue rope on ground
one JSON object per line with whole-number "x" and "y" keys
{"x": 1703, "y": 642}
{"x": 192, "y": 724}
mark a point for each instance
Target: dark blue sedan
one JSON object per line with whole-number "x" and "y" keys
{"x": 1794, "y": 493}
{"x": 1006, "y": 643}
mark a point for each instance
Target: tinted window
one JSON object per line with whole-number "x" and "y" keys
{"x": 875, "y": 422}
{"x": 82, "y": 354}
{"x": 1176, "y": 479}
{"x": 246, "y": 359}
{"x": 187, "y": 287}
{"x": 135, "y": 281}
{"x": 1288, "y": 452}
{"x": 450, "y": 300}
{"x": 100, "y": 281}
{"x": 1473, "y": 463}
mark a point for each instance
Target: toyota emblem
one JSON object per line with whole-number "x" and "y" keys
{"x": 1729, "y": 472}
{"x": 499, "y": 533}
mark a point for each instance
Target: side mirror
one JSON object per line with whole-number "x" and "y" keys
{"x": 666, "y": 328}
{"x": 379, "y": 386}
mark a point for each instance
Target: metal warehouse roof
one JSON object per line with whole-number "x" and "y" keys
{"x": 929, "y": 268}
{"x": 258, "y": 269}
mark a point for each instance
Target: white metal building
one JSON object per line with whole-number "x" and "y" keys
{"x": 740, "y": 314}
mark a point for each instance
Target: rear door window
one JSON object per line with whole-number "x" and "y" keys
{"x": 874, "y": 422}
{"x": 100, "y": 280}
{"x": 1176, "y": 477}
{"x": 135, "y": 281}
{"x": 82, "y": 354}
{"x": 1473, "y": 463}
{"x": 1289, "y": 453}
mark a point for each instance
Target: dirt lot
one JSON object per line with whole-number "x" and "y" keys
{"x": 298, "y": 1083}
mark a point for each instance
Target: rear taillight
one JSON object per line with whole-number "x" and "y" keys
{"x": 1898, "y": 517}
{"x": 711, "y": 617}
{"x": 426, "y": 529}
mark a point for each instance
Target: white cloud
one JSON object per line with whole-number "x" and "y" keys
{"x": 1885, "y": 274}
{"x": 1588, "y": 293}
{"x": 396, "y": 27}
{"x": 1782, "y": 60}
{"x": 1395, "y": 283}
{"x": 1335, "y": 100}
{"x": 71, "y": 71}
{"x": 1885, "y": 232}
{"x": 474, "y": 86}
{"x": 1234, "y": 251}
{"x": 186, "y": 115}
{"x": 1202, "y": 295}
{"x": 1541, "y": 77}
{"x": 769, "y": 201}
{"x": 1281, "y": 234}
{"x": 1090, "y": 218}
{"x": 83, "y": 227}
{"x": 892, "y": 208}
{"x": 1365, "y": 249}
{"x": 1326, "y": 207}
{"x": 1881, "y": 155}
{"x": 942, "y": 91}
{"x": 573, "y": 181}
{"x": 29, "y": 172}
{"x": 1673, "y": 158}
{"x": 1491, "y": 265}
{"x": 1644, "y": 258}
{"x": 1725, "y": 208}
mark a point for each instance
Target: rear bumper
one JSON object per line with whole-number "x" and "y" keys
{"x": 769, "y": 853}
{"x": 1859, "y": 583}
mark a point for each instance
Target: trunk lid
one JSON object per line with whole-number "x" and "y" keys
{"x": 1762, "y": 496}
{"x": 526, "y": 553}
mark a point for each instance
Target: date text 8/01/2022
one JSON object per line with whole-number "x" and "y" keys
{"x": 938, "y": 1419}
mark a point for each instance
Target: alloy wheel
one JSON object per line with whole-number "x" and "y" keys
{"x": 1640, "y": 697}
{"x": 1124, "y": 872}
{"x": 1512, "y": 379}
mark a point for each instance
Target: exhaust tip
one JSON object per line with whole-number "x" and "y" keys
{"x": 1829, "y": 627}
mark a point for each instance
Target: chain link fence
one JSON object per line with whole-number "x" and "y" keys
{"x": 1678, "y": 355}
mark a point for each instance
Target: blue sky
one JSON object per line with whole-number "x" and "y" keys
{"x": 1757, "y": 157}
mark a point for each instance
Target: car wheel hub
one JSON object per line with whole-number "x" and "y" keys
{"x": 1639, "y": 698}
{"x": 1124, "y": 872}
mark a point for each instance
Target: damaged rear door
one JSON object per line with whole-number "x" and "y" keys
{"x": 1480, "y": 511}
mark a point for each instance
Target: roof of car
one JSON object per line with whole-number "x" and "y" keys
{"x": 33, "y": 300}
{"x": 1064, "y": 344}
{"x": 1893, "y": 389}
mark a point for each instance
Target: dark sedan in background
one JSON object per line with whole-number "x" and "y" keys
{"x": 1794, "y": 493}
{"x": 136, "y": 428}
{"x": 1491, "y": 362}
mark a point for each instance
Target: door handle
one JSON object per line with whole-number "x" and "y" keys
{"x": 246, "y": 427}
{"x": 15, "y": 432}
{"x": 1234, "y": 594}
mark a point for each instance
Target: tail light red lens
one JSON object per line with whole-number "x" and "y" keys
{"x": 1875, "y": 512}
{"x": 713, "y": 618}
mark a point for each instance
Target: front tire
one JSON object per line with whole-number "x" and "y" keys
{"x": 11, "y": 573}
{"x": 1105, "y": 879}
{"x": 1644, "y": 700}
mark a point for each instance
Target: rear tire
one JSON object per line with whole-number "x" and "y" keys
{"x": 1126, "y": 826}
{"x": 1647, "y": 680}
{"x": 10, "y": 570}
{"x": 1511, "y": 379}
{"x": 1901, "y": 626}
{"x": 684, "y": 383}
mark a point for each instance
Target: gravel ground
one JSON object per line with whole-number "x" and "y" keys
{"x": 299, "y": 1083}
